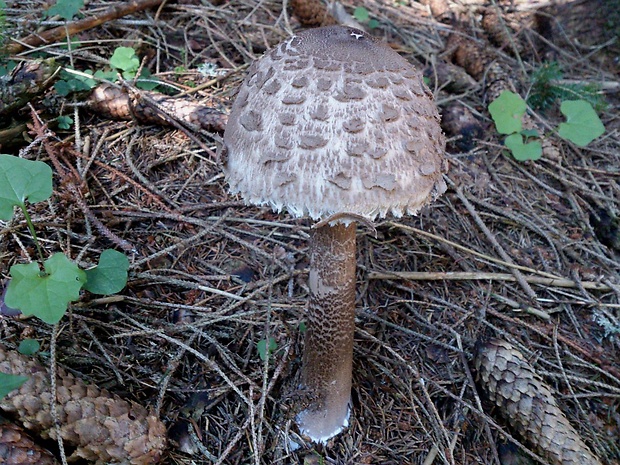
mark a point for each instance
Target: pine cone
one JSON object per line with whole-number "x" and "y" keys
{"x": 311, "y": 13}
{"x": 102, "y": 427}
{"x": 528, "y": 404}
{"x": 17, "y": 448}
{"x": 501, "y": 33}
{"x": 458, "y": 121}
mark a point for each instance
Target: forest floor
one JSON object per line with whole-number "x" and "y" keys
{"x": 210, "y": 278}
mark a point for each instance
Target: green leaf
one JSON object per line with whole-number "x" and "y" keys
{"x": 110, "y": 275}
{"x": 64, "y": 122}
{"x": 582, "y": 123}
{"x": 7, "y": 67}
{"x": 373, "y": 24}
{"x": 66, "y": 9}
{"x": 71, "y": 82}
{"x": 108, "y": 75}
{"x": 29, "y": 347}
{"x": 45, "y": 295}
{"x": 125, "y": 59}
{"x": 22, "y": 180}
{"x": 507, "y": 111}
{"x": 361, "y": 14}
{"x": 9, "y": 382}
{"x": 146, "y": 81}
{"x": 262, "y": 347}
{"x": 521, "y": 151}
{"x": 63, "y": 88}
{"x": 530, "y": 133}
{"x": 83, "y": 82}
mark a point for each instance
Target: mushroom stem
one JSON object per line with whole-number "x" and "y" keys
{"x": 328, "y": 351}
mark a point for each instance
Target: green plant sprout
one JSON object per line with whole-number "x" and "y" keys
{"x": 124, "y": 60}
{"x": 64, "y": 121}
{"x": 46, "y": 292}
{"x": 6, "y": 67}
{"x": 507, "y": 111}
{"x": 266, "y": 347}
{"x": 70, "y": 82}
{"x": 582, "y": 125}
{"x": 549, "y": 87}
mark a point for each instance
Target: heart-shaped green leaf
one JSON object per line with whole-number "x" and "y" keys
{"x": 22, "y": 180}
{"x": 582, "y": 123}
{"x": 29, "y": 347}
{"x": 521, "y": 151}
{"x": 125, "y": 58}
{"x": 266, "y": 347}
{"x": 9, "y": 382}
{"x": 66, "y": 9}
{"x": 45, "y": 295}
{"x": 110, "y": 275}
{"x": 507, "y": 111}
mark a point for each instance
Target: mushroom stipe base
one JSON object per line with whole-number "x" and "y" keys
{"x": 328, "y": 351}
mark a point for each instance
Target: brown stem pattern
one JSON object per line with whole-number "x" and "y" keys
{"x": 328, "y": 351}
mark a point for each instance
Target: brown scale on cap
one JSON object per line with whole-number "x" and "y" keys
{"x": 333, "y": 125}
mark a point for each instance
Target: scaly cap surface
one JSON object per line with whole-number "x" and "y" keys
{"x": 333, "y": 121}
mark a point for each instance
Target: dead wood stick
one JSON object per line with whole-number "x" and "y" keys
{"x": 150, "y": 107}
{"x": 59, "y": 33}
{"x": 483, "y": 276}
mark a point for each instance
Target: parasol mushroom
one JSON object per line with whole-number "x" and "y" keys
{"x": 336, "y": 126}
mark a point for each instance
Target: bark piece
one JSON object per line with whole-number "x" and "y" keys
{"x": 528, "y": 404}
{"x": 102, "y": 427}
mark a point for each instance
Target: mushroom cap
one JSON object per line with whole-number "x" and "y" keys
{"x": 333, "y": 121}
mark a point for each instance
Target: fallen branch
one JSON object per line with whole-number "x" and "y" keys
{"x": 482, "y": 276}
{"x": 61, "y": 32}
{"x": 150, "y": 107}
